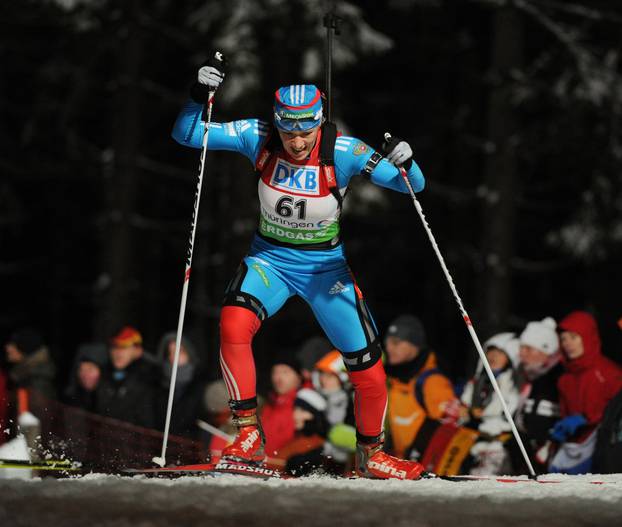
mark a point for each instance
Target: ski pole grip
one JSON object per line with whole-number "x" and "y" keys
{"x": 217, "y": 60}
{"x": 390, "y": 143}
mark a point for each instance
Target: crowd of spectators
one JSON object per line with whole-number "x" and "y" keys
{"x": 556, "y": 384}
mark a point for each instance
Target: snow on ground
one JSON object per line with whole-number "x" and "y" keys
{"x": 98, "y": 500}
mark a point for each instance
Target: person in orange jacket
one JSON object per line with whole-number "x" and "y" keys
{"x": 418, "y": 390}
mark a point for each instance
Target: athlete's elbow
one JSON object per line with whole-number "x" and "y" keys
{"x": 179, "y": 135}
{"x": 419, "y": 184}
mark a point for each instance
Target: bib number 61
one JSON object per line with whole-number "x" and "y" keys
{"x": 286, "y": 205}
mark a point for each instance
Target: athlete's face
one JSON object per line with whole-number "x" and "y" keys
{"x": 299, "y": 144}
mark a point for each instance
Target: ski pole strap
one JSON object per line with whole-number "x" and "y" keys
{"x": 327, "y": 159}
{"x": 271, "y": 145}
{"x": 371, "y": 164}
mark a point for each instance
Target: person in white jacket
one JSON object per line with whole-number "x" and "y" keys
{"x": 483, "y": 410}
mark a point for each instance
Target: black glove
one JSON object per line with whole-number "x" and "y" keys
{"x": 397, "y": 151}
{"x": 210, "y": 75}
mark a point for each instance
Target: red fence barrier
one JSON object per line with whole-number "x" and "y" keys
{"x": 102, "y": 443}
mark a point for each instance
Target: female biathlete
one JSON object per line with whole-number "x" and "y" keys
{"x": 303, "y": 169}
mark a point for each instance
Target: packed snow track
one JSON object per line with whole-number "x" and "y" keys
{"x": 102, "y": 500}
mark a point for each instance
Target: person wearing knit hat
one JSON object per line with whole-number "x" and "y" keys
{"x": 127, "y": 389}
{"x": 484, "y": 407}
{"x": 483, "y": 410}
{"x": 417, "y": 388}
{"x": 30, "y": 363}
{"x": 408, "y": 328}
{"x": 541, "y": 335}
{"x": 126, "y": 347}
{"x": 538, "y": 411}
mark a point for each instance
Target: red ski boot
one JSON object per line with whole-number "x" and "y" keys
{"x": 373, "y": 462}
{"x": 247, "y": 447}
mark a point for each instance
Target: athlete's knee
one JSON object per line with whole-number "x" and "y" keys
{"x": 238, "y": 325}
{"x": 365, "y": 367}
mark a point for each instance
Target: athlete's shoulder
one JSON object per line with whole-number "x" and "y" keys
{"x": 241, "y": 127}
{"x": 351, "y": 154}
{"x": 351, "y": 146}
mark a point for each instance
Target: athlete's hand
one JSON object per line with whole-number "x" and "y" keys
{"x": 397, "y": 151}
{"x": 210, "y": 76}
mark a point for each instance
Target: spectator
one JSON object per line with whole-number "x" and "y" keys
{"x": 4, "y": 406}
{"x": 485, "y": 411}
{"x": 311, "y": 351}
{"x": 277, "y": 413}
{"x": 585, "y": 388}
{"x": 90, "y": 360}
{"x": 216, "y": 401}
{"x": 189, "y": 387}
{"x": 538, "y": 409}
{"x": 127, "y": 387}
{"x": 30, "y": 364}
{"x": 330, "y": 379}
{"x": 417, "y": 388}
{"x": 608, "y": 452}
{"x": 303, "y": 453}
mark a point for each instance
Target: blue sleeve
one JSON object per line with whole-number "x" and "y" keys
{"x": 351, "y": 156}
{"x": 245, "y": 136}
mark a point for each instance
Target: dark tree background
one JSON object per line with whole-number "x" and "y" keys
{"x": 513, "y": 109}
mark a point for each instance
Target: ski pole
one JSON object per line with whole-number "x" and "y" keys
{"x": 331, "y": 23}
{"x": 204, "y": 425}
{"x": 465, "y": 316}
{"x": 161, "y": 460}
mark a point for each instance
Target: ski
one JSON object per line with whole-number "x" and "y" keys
{"x": 222, "y": 468}
{"x": 61, "y": 465}
{"x": 505, "y": 479}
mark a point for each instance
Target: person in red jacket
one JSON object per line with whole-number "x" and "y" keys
{"x": 590, "y": 381}
{"x": 277, "y": 414}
